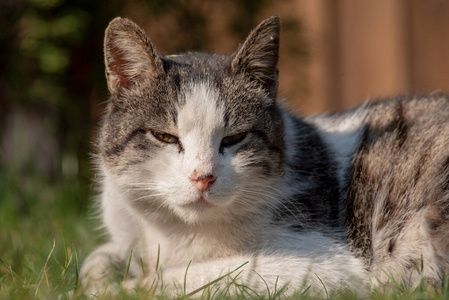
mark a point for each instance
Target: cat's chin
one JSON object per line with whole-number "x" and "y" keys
{"x": 200, "y": 210}
{"x": 198, "y": 204}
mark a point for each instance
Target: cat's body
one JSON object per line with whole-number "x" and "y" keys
{"x": 396, "y": 195}
{"x": 201, "y": 164}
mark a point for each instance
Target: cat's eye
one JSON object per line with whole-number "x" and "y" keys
{"x": 165, "y": 137}
{"x": 233, "y": 139}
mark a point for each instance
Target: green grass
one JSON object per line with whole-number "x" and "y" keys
{"x": 45, "y": 233}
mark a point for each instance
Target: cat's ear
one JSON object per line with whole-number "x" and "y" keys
{"x": 129, "y": 55}
{"x": 258, "y": 56}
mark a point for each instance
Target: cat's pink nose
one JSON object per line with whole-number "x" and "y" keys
{"x": 202, "y": 182}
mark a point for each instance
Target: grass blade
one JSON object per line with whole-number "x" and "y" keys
{"x": 185, "y": 277}
{"x": 66, "y": 256}
{"x": 215, "y": 281}
{"x": 324, "y": 286}
{"x": 77, "y": 275}
{"x": 266, "y": 285}
{"x": 158, "y": 256}
{"x": 11, "y": 271}
{"x": 44, "y": 269}
{"x": 129, "y": 264}
{"x": 142, "y": 265}
{"x": 305, "y": 291}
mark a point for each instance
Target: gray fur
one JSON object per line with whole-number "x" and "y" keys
{"x": 397, "y": 202}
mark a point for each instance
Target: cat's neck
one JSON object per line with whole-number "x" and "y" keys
{"x": 244, "y": 230}
{"x": 205, "y": 241}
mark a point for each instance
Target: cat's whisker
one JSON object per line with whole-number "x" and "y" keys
{"x": 275, "y": 199}
{"x": 148, "y": 189}
{"x": 163, "y": 204}
{"x": 143, "y": 184}
{"x": 249, "y": 200}
{"x": 149, "y": 196}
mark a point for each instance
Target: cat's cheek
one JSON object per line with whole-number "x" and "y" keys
{"x": 241, "y": 165}
{"x": 225, "y": 190}
{"x": 227, "y": 182}
{"x": 180, "y": 191}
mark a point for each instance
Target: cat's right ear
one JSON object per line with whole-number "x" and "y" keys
{"x": 130, "y": 57}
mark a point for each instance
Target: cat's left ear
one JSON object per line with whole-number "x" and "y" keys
{"x": 259, "y": 55}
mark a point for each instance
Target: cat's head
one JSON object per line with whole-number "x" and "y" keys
{"x": 192, "y": 136}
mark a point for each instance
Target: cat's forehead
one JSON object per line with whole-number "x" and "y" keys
{"x": 200, "y": 108}
{"x": 195, "y": 74}
{"x": 196, "y": 63}
{"x": 206, "y": 94}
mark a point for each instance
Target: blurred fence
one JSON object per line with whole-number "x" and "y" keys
{"x": 367, "y": 49}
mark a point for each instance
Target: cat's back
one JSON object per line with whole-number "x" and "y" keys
{"x": 397, "y": 208}
{"x": 418, "y": 112}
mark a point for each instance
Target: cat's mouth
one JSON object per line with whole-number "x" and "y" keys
{"x": 198, "y": 204}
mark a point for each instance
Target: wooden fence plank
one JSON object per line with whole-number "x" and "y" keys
{"x": 430, "y": 44}
{"x": 373, "y": 53}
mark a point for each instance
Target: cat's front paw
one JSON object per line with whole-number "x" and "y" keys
{"x": 100, "y": 272}
{"x": 156, "y": 283}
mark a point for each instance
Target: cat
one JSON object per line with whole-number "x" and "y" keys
{"x": 205, "y": 175}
